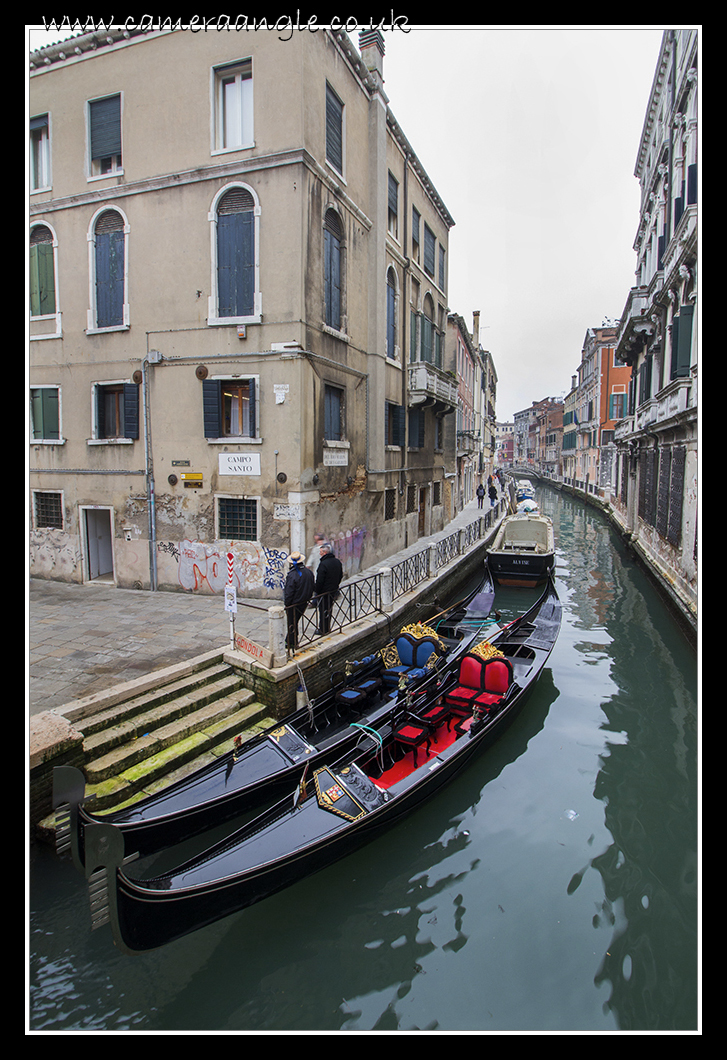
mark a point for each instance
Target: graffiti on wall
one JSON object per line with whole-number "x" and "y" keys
{"x": 203, "y": 567}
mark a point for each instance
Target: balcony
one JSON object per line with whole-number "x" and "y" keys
{"x": 431, "y": 386}
{"x": 636, "y": 326}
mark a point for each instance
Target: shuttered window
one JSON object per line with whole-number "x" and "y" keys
{"x": 42, "y": 272}
{"x": 332, "y": 267}
{"x": 236, "y": 254}
{"x": 334, "y": 130}
{"x": 39, "y": 153}
{"x": 390, "y": 315}
{"x": 110, "y": 268}
{"x": 681, "y": 342}
{"x": 393, "y": 206}
{"x": 44, "y": 413}
{"x": 333, "y": 414}
{"x": 117, "y": 410}
{"x": 229, "y": 408}
{"x": 105, "y": 133}
{"x": 429, "y": 250}
{"x": 416, "y": 428}
{"x": 395, "y": 424}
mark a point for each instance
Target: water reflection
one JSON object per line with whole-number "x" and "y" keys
{"x": 551, "y": 887}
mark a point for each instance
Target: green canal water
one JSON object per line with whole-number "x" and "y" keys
{"x": 552, "y": 888}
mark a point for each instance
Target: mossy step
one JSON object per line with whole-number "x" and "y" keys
{"x": 119, "y": 730}
{"x": 148, "y": 700}
{"x": 177, "y": 761}
{"x": 133, "y": 751}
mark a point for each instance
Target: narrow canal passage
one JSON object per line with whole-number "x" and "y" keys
{"x": 552, "y": 887}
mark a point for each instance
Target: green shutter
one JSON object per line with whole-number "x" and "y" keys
{"x": 42, "y": 280}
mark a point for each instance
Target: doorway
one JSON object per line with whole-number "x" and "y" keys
{"x": 99, "y": 544}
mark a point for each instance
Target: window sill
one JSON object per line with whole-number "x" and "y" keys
{"x": 234, "y": 440}
{"x": 110, "y": 441}
{"x": 231, "y": 150}
{"x": 93, "y": 177}
{"x": 105, "y": 331}
{"x": 328, "y": 330}
{"x": 47, "y": 441}
{"x": 330, "y": 443}
{"x": 230, "y": 322}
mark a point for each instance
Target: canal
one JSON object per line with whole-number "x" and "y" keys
{"x": 552, "y": 887}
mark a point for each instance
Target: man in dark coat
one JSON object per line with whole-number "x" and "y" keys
{"x": 328, "y": 578}
{"x": 297, "y": 591}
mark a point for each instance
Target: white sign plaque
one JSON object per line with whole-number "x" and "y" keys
{"x": 335, "y": 457}
{"x": 239, "y": 463}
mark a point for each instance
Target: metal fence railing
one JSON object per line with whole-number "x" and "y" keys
{"x": 364, "y": 596}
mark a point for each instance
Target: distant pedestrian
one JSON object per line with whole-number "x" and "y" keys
{"x": 480, "y": 495}
{"x": 493, "y": 494}
{"x": 314, "y": 557}
{"x": 328, "y": 579}
{"x": 297, "y": 591}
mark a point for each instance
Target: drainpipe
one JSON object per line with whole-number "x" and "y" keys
{"x": 152, "y": 357}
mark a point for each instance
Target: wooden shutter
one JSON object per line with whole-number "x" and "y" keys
{"x": 131, "y": 410}
{"x": 332, "y": 270}
{"x": 212, "y": 408}
{"x": 236, "y": 254}
{"x": 390, "y": 318}
{"x": 662, "y": 508}
{"x": 681, "y": 342}
{"x": 429, "y": 249}
{"x": 109, "y": 237}
{"x": 334, "y": 129}
{"x": 332, "y": 414}
{"x": 42, "y": 272}
{"x": 105, "y": 122}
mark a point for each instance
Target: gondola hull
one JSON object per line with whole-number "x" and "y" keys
{"x": 304, "y": 834}
{"x": 265, "y": 769}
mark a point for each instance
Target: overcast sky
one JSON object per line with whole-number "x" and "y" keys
{"x": 530, "y": 136}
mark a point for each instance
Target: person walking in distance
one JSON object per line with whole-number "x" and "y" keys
{"x": 315, "y": 553}
{"x": 328, "y": 579}
{"x": 297, "y": 591}
{"x": 480, "y": 495}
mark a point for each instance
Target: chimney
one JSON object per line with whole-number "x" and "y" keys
{"x": 476, "y": 327}
{"x": 371, "y": 46}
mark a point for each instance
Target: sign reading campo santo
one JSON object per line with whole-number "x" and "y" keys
{"x": 239, "y": 463}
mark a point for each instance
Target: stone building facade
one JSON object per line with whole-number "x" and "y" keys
{"x": 238, "y": 292}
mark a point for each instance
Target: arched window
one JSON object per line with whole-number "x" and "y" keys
{"x": 109, "y": 269}
{"x": 391, "y": 321}
{"x": 333, "y": 269}
{"x": 427, "y": 349}
{"x": 42, "y": 272}
{"x": 236, "y": 254}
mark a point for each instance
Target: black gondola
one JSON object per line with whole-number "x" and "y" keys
{"x": 348, "y": 715}
{"x": 346, "y": 804}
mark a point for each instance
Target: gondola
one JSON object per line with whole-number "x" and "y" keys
{"x": 474, "y": 613}
{"x": 341, "y": 806}
{"x": 243, "y": 779}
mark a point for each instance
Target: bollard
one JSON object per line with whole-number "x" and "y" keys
{"x": 387, "y": 589}
{"x": 432, "y": 561}
{"x": 277, "y": 630}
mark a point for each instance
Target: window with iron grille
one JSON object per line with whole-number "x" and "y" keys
{"x": 390, "y": 504}
{"x": 48, "y": 510}
{"x": 411, "y": 499}
{"x": 436, "y": 493}
{"x": 237, "y": 519}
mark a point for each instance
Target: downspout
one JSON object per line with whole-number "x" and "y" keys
{"x": 404, "y": 363}
{"x": 149, "y": 469}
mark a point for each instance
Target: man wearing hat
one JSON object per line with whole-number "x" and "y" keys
{"x": 297, "y": 591}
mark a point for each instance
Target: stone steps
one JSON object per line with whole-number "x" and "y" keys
{"x": 142, "y": 745}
